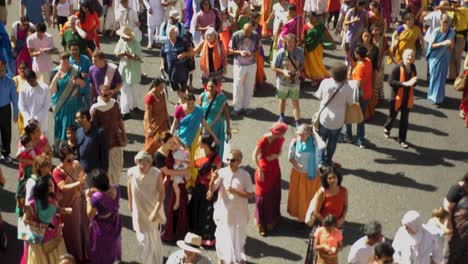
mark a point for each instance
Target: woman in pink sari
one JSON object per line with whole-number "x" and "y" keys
{"x": 293, "y": 25}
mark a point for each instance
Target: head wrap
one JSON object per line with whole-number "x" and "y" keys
{"x": 413, "y": 220}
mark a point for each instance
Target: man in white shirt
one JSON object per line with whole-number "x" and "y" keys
{"x": 362, "y": 251}
{"x": 41, "y": 48}
{"x": 34, "y": 101}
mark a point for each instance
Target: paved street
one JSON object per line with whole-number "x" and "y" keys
{"x": 384, "y": 181}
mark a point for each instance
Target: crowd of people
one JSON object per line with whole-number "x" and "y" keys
{"x": 185, "y": 186}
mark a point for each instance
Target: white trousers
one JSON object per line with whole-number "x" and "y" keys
{"x": 230, "y": 242}
{"x": 243, "y": 87}
{"x": 128, "y": 98}
{"x": 153, "y": 34}
{"x": 115, "y": 164}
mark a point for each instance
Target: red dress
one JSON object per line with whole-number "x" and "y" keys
{"x": 268, "y": 191}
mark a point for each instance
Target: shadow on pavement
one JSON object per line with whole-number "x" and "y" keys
{"x": 8, "y": 201}
{"x": 258, "y": 249}
{"x": 288, "y": 227}
{"x": 424, "y": 157}
{"x": 129, "y": 158}
{"x": 134, "y": 138}
{"x": 398, "y": 179}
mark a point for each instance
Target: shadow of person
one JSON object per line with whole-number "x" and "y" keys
{"x": 257, "y": 249}
{"x": 398, "y": 179}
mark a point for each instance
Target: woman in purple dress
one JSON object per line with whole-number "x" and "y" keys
{"x": 103, "y": 210}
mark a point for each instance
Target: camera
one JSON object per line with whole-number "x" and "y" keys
{"x": 292, "y": 78}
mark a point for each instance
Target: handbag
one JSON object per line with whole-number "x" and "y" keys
{"x": 354, "y": 113}
{"x": 316, "y": 117}
{"x": 459, "y": 84}
{"x": 29, "y": 233}
{"x": 311, "y": 218}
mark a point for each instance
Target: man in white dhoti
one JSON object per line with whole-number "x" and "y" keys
{"x": 231, "y": 213}
{"x": 145, "y": 201}
{"x": 127, "y": 16}
{"x": 155, "y": 17}
{"x": 413, "y": 243}
{"x": 34, "y": 101}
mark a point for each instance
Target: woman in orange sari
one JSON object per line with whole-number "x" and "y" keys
{"x": 405, "y": 37}
{"x": 268, "y": 178}
{"x": 267, "y": 8}
{"x": 260, "y": 76}
{"x": 156, "y": 120}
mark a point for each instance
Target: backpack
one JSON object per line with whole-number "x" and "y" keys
{"x": 21, "y": 193}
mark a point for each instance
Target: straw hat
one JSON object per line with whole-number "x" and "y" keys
{"x": 126, "y": 32}
{"x": 191, "y": 242}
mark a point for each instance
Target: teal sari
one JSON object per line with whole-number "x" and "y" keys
{"x": 65, "y": 104}
{"x": 189, "y": 125}
{"x": 215, "y": 118}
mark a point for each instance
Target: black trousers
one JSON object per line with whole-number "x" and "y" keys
{"x": 334, "y": 15}
{"x": 5, "y": 128}
{"x": 404, "y": 118}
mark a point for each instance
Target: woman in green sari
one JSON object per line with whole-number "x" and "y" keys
{"x": 66, "y": 98}
{"x": 216, "y": 111}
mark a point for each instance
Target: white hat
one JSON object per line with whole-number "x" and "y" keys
{"x": 126, "y": 32}
{"x": 174, "y": 14}
{"x": 191, "y": 242}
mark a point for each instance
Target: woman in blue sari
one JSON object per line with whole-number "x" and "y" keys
{"x": 66, "y": 97}
{"x": 216, "y": 111}
{"x": 6, "y": 52}
{"x": 438, "y": 56}
{"x": 187, "y": 120}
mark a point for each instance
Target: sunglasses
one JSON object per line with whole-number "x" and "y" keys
{"x": 22, "y": 68}
{"x": 231, "y": 160}
{"x": 106, "y": 95}
{"x": 69, "y": 160}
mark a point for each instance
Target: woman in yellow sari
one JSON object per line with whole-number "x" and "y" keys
{"x": 405, "y": 37}
{"x": 19, "y": 81}
{"x": 315, "y": 37}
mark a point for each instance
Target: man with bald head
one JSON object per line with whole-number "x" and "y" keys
{"x": 244, "y": 46}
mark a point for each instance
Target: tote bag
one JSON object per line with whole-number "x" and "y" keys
{"x": 353, "y": 112}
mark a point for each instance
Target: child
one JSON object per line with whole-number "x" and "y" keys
{"x": 180, "y": 163}
{"x": 27, "y": 154}
{"x": 328, "y": 239}
{"x": 225, "y": 34}
{"x": 71, "y": 138}
{"x": 190, "y": 60}
{"x": 437, "y": 225}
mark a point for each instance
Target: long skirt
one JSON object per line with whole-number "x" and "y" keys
{"x": 311, "y": 255}
{"x": 76, "y": 231}
{"x": 177, "y": 220}
{"x": 438, "y": 70}
{"x": 301, "y": 191}
{"x": 313, "y": 65}
{"x": 464, "y": 101}
{"x": 225, "y": 37}
{"x": 260, "y": 76}
{"x": 267, "y": 207}
{"x": 110, "y": 22}
{"x": 230, "y": 242}
{"x": 152, "y": 246}
{"x": 38, "y": 255}
{"x": 105, "y": 239}
{"x": 200, "y": 212}
{"x": 374, "y": 101}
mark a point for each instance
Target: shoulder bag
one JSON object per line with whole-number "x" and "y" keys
{"x": 316, "y": 117}
{"x": 459, "y": 84}
{"x": 354, "y": 113}
{"x": 311, "y": 218}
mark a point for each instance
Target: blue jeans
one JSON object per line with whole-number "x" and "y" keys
{"x": 361, "y": 132}
{"x": 330, "y": 137}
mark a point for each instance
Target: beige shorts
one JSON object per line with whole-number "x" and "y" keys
{"x": 3, "y": 14}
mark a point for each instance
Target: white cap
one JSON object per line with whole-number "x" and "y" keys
{"x": 174, "y": 14}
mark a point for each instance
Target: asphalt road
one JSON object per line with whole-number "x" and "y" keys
{"x": 384, "y": 180}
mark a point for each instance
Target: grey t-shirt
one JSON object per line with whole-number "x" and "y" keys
{"x": 240, "y": 41}
{"x": 333, "y": 116}
{"x": 282, "y": 61}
